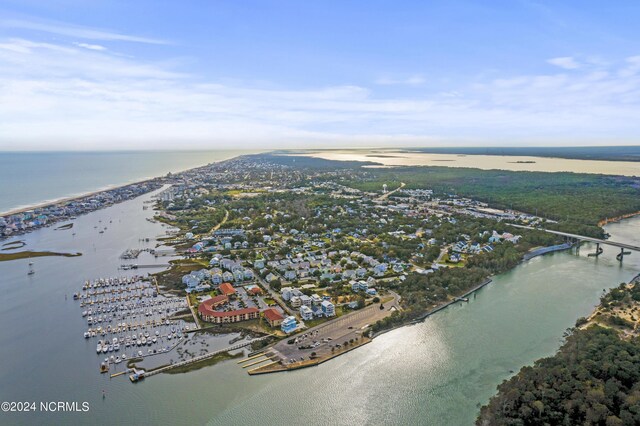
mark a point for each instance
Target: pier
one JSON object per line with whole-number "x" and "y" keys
{"x": 203, "y": 357}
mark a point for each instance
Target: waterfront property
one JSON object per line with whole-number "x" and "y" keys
{"x": 273, "y": 317}
{"x": 215, "y": 302}
{"x": 289, "y": 324}
{"x": 224, "y": 317}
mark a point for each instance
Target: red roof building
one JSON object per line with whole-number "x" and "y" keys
{"x": 222, "y": 317}
{"x": 255, "y": 291}
{"x": 216, "y": 301}
{"x": 273, "y": 317}
{"x": 227, "y": 289}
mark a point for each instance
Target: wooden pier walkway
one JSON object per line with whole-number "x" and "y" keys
{"x": 193, "y": 312}
{"x": 203, "y": 357}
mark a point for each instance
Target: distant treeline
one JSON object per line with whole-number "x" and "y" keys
{"x": 607, "y": 153}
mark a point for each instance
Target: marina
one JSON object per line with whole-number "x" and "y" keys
{"x": 129, "y": 319}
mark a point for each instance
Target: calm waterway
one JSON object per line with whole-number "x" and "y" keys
{"x": 436, "y": 372}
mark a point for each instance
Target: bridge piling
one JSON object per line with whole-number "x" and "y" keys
{"x": 598, "y": 252}
{"x": 622, "y": 254}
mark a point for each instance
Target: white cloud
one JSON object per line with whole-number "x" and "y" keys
{"x": 76, "y": 31}
{"x": 90, "y": 46}
{"x": 566, "y": 62}
{"x": 67, "y": 96}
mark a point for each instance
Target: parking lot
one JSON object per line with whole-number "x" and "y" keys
{"x": 321, "y": 339}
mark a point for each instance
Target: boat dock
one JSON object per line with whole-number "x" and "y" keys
{"x": 202, "y": 357}
{"x": 130, "y": 319}
{"x": 464, "y": 298}
{"x": 137, "y": 266}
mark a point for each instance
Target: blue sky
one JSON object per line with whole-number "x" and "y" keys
{"x": 278, "y": 74}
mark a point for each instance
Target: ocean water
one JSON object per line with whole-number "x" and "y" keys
{"x": 29, "y": 178}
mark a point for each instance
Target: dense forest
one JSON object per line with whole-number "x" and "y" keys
{"x": 594, "y": 379}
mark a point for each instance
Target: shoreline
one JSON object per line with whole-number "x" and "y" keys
{"x": 603, "y": 222}
{"x": 456, "y": 299}
{"x": 536, "y": 252}
{"x": 65, "y": 199}
{"x": 61, "y": 200}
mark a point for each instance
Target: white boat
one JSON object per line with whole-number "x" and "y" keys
{"x": 144, "y": 340}
{"x": 99, "y": 348}
{"x": 116, "y": 347}
{"x": 154, "y": 340}
{"x": 118, "y": 360}
{"x": 87, "y": 334}
{"x": 139, "y": 353}
{"x": 124, "y": 356}
{"x": 110, "y": 348}
{"x": 105, "y": 349}
{"x": 85, "y": 313}
{"x": 138, "y": 342}
{"x": 157, "y": 333}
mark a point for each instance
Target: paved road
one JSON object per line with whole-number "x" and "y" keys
{"x": 386, "y": 195}
{"x": 341, "y": 329}
{"x": 274, "y": 294}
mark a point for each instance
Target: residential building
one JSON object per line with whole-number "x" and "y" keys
{"x": 305, "y": 300}
{"x": 286, "y": 293}
{"x": 315, "y": 299}
{"x": 296, "y": 302}
{"x": 222, "y": 317}
{"x": 273, "y": 317}
{"x": 306, "y": 313}
{"x": 328, "y": 309}
{"x": 289, "y": 324}
{"x": 227, "y": 289}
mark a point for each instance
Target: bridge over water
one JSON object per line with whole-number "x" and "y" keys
{"x": 598, "y": 241}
